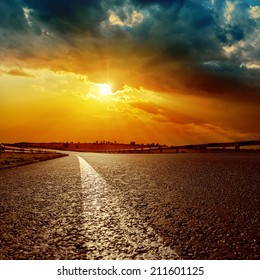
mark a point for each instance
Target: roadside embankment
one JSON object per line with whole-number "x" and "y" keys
{"x": 11, "y": 159}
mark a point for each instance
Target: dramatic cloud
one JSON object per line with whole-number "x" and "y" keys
{"x": 207, "y": 49}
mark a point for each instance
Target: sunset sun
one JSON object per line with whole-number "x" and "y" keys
{"x": 104, "y": 89}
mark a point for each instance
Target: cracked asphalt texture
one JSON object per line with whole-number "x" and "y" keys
{"x": 189, "y": 206}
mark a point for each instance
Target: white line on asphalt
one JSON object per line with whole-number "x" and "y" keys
{"x": 90, "y": 181}
{"x": 113, "y": 231}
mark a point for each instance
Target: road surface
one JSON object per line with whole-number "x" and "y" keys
{"x": 105, "y": 206}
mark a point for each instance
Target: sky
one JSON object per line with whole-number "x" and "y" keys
{"x": 169, "y": 72}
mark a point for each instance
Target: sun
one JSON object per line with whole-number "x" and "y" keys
{"x": 104, "y": 89}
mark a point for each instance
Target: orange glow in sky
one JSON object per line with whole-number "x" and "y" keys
{"x": 121, "y": 74}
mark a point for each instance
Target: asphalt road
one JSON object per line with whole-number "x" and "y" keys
{"x": 105, "y": 206}
{"x": 50, "y": 210}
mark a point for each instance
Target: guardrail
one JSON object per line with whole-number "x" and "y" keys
{"x": 161, "y": 149}
{"x": 24, "y": 150}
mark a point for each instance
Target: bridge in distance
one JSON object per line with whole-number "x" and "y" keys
{"x": 200, "y": 147}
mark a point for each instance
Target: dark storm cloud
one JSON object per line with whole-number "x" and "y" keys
{"x": 178, "y": 38}
{"x": 78, "y": 16}
{"x": 12, "y": 17}
{"x": 16, "y": 32}
{"x": 165, "y": 3}
{"x": 191, "y": 49}
{"x": 83, "y": 16}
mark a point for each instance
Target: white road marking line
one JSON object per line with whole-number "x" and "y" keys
{"x": 111, "y": 231}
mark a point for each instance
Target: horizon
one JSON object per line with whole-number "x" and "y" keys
{"x": 171, "y": 72}
{"x": 244, "y": 143}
